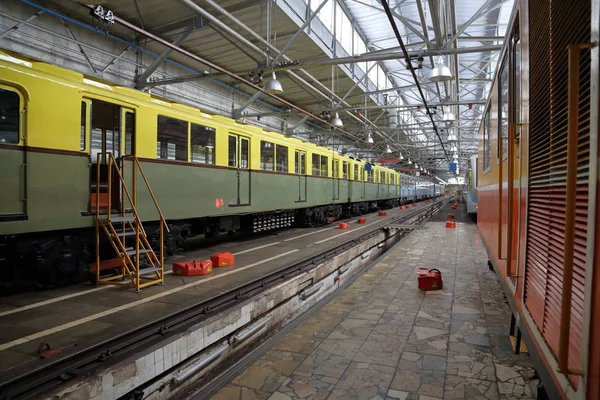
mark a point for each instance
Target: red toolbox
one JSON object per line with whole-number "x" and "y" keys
{"x": 362, "y": 220}
{"x": 343, "y": 225}
{"x": 429, "y": 279}
{"x": 192, "y": 268}
{"x": 222, "y": 259}
{"x": 382, "y": 213}
{"x": 450, "y": 216}
{"x": 450, "y": 224}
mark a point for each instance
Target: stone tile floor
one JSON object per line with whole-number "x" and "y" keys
{"x": 382, "y": 338}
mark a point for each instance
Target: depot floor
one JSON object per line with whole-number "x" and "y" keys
{"x": 382, "y": 338}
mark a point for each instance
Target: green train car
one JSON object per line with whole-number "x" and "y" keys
{"x": 209, "y": 174}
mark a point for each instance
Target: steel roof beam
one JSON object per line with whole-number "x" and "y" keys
{"x": 140, "y": 81}
{"x": 13, "y": 28}
{"x": 487, "y": 7}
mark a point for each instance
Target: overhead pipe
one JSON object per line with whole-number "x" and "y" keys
{"x": 223, "y": 70}
{"x": 412, "y": 70}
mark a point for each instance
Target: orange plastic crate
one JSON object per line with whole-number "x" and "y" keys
{"x": 192, "y": 268}
{"x": 222, "y": 259}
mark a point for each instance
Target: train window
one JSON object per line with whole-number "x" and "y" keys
{"x": 503, "y": 112}
{"x": 10, "y": 107}
{"x": 516, "y": 95}
{"x": 83, "y": 126}
{"x": 244, "y": 153}
{"x": 267, "y": 156}
{"x": 202, "y": 141}
{"x": 324, "y": 166}
{"x": 281, "y": 158}
{"x": 336, "y": 168}
{"x": 487, "y": 149}
{"x": 316, "y": 160}
{"x": 345, "y": 169}
{"x": 355, "y": 176}
{"x": 476, "y": 171}
{"x": 172, "y": 137}
{"x": 382, "y": 177}
{"x": 129, "y": 133}
{"x": 232, "y": 151}
{"x": 300, "y": 162}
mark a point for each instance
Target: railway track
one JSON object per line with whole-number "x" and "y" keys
{"x": 34, "y": 381}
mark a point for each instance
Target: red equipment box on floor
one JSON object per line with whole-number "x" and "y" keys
{"x": 362, "y": 220}
{"x": 343, "y": 225}
{"x": 382, "y": 213}
{"x": 429, "y": 279}
{"x": 414, "y": 204}
{"x": 222, "y": 259}
{"x": 450, "y": 216}
{"x": 450, "y": 224}
{"x": 192, "y": 268}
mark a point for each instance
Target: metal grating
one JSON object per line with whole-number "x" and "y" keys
{"x": 552, "y": 30}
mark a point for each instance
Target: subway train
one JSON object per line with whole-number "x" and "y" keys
{"x": 538, "y": 189}
{"x": 208, "y": 174}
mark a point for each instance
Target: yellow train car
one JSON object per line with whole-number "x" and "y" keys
{"x": 208, "y": 173}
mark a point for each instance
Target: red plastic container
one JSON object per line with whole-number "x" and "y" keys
{"x": 192, "y": 268}
{"x": 450, "y": 224}
{"x": 382, "y": 213}
{"x": 450, "y": 216}
{"x": 362, "y": 220}
{"x": 429, "y": 279}
{"x": 343, "y": 225}
{"x": 414, "y": 204}
{"x": 222, "y": 259}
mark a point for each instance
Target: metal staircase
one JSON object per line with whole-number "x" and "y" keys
{"x": 141, "y": 266}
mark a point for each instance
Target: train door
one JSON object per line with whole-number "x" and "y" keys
{"x": 103, "y": 125}
{"x": 300, "y": 170}
{"x": 361, "y": 173}
{"x": 13, "y": 157}
{"x": 239, "y": 157}
{"x": 336, "y": 181}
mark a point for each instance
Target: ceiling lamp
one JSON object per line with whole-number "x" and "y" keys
{"x": 337, "y": 122}
{"x": 387, "y": 149}
{"x": 409, "y": 162}
{"x": 274, "y": 86}
{"x": 369, "y": 138}
{"x": 448, "y": 117}
{"x": 440, "y": 72}
{"x": 451, "y": 137}
{"x": 400, "y": 156}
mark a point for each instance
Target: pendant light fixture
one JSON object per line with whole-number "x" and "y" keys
{"x": 448, "y": 117}
{"x": 400, "y": 156}
{"x": 369, "y": 138}
{"x": 273, "y": 86}
{"x": 337, "y": 122}
{"x": 409, "y": 162}
{"x": 387, "y": 149}
{"x": 440, "y": 72}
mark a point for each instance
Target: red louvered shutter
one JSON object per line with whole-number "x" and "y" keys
{"x": 554, "y": 26}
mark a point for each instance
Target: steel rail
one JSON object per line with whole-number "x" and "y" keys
{"x": 30, "y": 382}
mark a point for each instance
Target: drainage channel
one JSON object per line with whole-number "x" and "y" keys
{"x": 174, "y": 355}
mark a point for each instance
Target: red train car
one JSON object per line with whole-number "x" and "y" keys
{"x": 538, "y": 188}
